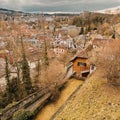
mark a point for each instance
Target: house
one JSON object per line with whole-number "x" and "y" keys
{"x": 59, "y": 50}
{"x": 71, "y": 43}
{"x": 80, "y": 66}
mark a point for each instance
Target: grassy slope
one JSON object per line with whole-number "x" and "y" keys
{"x": 94, "y": 101}
{"x": 47, "y": 112}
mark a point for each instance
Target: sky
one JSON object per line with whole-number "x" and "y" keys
{"x": 58, "y": 5}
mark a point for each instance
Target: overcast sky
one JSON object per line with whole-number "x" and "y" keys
{"x": 58, "y": 5}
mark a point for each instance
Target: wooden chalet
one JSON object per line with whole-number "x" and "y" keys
{"x": 79, "y": 64}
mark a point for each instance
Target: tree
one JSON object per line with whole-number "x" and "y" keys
{"x": 12, "y": 88}
{"x": 77, "y": 21}
{"x": 7, "y": 77}
{"x": 113, "y": 36}
{"x": 15, "y": 88}
{"x": 37, "y": 74}
{"x": 27, "y": 84}
{"x": 89, "y": 28}
{"x": 46, "y": 60}
{"x": 22, "y": 115}
{"x": 82, "y": 31}
{"x": 109, "y": 61}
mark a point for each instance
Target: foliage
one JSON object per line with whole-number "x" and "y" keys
{"x": 55, "y": 94}
{"x": 92, "y": 21}
{"x": 22, "y": 115}
{"x": 7, "y": 74}
{"x": 77, "y": 21}
{"x": 15, "y": 89}
{"x": 82, "y": 31}
{"x": 87, "y": 19}
{"x": 37, "y": 74}
{"x": 27, "y": 84}
{"x": 89, "y": 28}
{"x": 10, "y": 105}
{"x": 46, "y": 60}
{"x": 109, "y": 61}
{"x": 8, "y": 81}
{"x": 113, "y": 36}
{"x": 4, "y": 101}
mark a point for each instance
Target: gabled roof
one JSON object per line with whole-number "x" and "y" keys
{"x": 83, "y": 53}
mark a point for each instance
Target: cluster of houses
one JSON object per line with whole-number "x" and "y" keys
{"x": 59, "y": 42}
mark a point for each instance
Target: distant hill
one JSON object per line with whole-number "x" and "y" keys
{"x": 9, "y": 12}
{"x": 6, "y": 10}
{"x": 114, "y": 10}
{"x": 13, "y": 12}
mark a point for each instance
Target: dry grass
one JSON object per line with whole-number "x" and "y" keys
{"x": 51, "y": 108}
{"x": 94, "y": 101}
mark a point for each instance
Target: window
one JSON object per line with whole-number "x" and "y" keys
{"x": 81, "y": 64}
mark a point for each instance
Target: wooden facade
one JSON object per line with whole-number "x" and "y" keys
{"x": 80, "y": 64}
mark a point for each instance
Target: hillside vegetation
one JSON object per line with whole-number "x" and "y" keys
{"x": 96, "y": 100}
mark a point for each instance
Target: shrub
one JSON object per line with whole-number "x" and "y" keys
{"x": 22, "y": 115}
{"x": 55, "y": 94}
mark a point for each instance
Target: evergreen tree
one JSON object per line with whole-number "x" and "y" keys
{"x": 82, "y": 31}
{"x": 18, "y": 82}
{"x": 7, "y": 77}
{"x": 12, "y": 89}
{"x": 89, "y": 28}
{"x": 7, "y": 72}
{"x": 38, "y": 72}
{"x": 113, "y": 36}
{"x": 46, "y": 60}
{"x": 27, "y": 84}
{"x": 15, "y": 89}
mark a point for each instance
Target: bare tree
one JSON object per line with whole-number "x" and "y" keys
{"x": 109, "y": 61}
